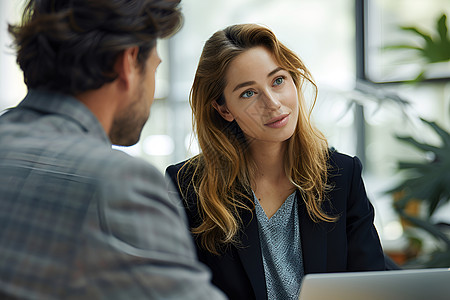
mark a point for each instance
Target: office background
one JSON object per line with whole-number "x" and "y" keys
{"x": 358, "y": 117}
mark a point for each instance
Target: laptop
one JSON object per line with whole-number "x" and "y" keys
{"x": 409, "y": 284}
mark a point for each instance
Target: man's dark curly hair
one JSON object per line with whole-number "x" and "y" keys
{"x": 70, "y": 46}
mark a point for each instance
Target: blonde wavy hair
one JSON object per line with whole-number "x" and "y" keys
{"x": 223, "y": 170}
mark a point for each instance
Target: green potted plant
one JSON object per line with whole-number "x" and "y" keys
{"x": 426, "y": 181}
{"x": 435, "y": 48}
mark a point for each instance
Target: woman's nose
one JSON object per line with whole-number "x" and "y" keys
{"x": 271, "y": 101}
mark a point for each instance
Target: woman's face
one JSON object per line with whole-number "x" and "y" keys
{"x": 260, "y": 96}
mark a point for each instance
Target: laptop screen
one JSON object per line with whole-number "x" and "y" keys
{"x": 423, "y": 284}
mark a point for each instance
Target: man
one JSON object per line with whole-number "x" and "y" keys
{"x": 79, "y": 220}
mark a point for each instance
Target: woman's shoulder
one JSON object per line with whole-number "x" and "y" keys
{"x": 172, "y": 170}
{"x": 183, "y": 173}
{"x": 181, "y": 177}
{"x": 342, "y": 163}
{"x": 338, "y": 158}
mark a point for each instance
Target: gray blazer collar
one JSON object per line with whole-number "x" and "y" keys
{"x": 66, "y": 105}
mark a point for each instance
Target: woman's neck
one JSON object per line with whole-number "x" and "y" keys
{"x": 270, "y": 183}
{"x": 269, "y": 160}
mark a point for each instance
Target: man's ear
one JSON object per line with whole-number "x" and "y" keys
{"x": 126, "y": 67}
{"x": 223, "y": 111}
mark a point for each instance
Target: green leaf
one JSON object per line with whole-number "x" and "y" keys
{"x": 436, "y": 47}
{"x": 393, "y": 47}
{"x": 409, "y": 165}
{"x": 421, "y": 146}
{"x": 442, "y": 27}
{"x": 425, "y": 36}
{"x": 433, "y": 205}
{"x": 426, "y": 225}
{"x": 428, "y": 181}
{"x": 445, "y": 136}
{"x": 439, "y": 259}
{"x": 419, "y": 77}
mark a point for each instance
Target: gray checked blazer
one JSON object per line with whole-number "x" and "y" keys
{"x": 79, "y": 220}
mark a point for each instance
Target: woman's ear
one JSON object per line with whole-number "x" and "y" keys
{"x": 223, "y": 111}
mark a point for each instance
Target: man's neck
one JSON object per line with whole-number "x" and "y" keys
{"x": 103, "y": 103}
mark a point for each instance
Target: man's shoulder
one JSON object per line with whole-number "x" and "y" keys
{"x": 118, "y": 176}
{"x": 116, "y": 163}
{"x": 78, "y": 155}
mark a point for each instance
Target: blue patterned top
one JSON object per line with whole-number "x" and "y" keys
{"x": 281, "y": 249}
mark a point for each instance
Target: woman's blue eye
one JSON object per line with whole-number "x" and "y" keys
{"x": 247, "y": 94}
{"x": 279, "y": 81}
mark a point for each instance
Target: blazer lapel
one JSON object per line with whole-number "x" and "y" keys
{"x": 250, "y": 255}
{"x": 314, "y": 248}
{"x": 314, "y": 241}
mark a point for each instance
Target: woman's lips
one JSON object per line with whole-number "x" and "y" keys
{"x": 278, "y": 122}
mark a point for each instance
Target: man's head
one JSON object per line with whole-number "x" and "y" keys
{"x": 79, "y": 47}
{"x": 137, "y": 89}
{"x": 71, "y": 46}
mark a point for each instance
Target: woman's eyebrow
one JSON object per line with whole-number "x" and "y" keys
{"x": 244, "y": 84}
{"x": 274, "y": 71}
{"x": 247, "y": 83}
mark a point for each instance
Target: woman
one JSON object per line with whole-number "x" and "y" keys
{"x": 266, "y": 199}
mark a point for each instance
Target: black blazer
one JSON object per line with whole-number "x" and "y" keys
{"x": 350, "y": 244}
